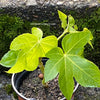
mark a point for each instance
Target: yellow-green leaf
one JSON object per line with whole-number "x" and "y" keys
{"x": 63, "y": 18}
{"x": 31, "y": 49}
{"x": 71, "y": 20}
{"x": 26, "y": 40}
{"x": 37, "y": 32}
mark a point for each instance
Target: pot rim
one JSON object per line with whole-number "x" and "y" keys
{"x": 19, "y": 94}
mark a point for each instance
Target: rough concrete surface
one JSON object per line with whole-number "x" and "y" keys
{"x": 70, "y": 3}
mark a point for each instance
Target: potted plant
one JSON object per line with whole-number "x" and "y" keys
{"x": 27, "y": 50}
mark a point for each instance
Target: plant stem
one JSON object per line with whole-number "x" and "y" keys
{"x": 44, "y": 84}
{"x": 65, "y": 31}
{"x": 41, "y": 66}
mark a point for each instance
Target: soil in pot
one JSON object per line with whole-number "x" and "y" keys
{"x": 32, "y": 88}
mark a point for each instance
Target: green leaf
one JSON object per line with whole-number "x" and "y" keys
{"x": 71, "y": 25}
{"x": 85, "y": 72}
{"x": 9, "y": 59}
{"x": 59, "y": 63}
{"x": 75, "y": 27}
{"x": 85, "y": 31}
{"x": 51, "y": 69}
{"x": 69, "y": 64}
{"x": 71, "y": 20}
{"x": 71, "y": 29}
{"x": 91, "y": 36}
{"x": 37, "y": 32}
{"x": 63, "y": 18}
{"x": 23, "y": 41}
{"x": 65, "y": 80}
{"x": 48, "y": 43}
{"x": 31, "y": 49}
{"x": 74, "y": 43}
{"x": 20, "y": 64}
{"x": 24, "y": 62}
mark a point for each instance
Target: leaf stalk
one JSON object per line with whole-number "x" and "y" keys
{"x": 65, "y": 31}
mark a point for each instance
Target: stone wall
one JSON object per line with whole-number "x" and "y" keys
{"x": 85, "y": 12}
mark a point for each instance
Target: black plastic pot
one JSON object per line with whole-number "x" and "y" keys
{"x": 19, "y": 77}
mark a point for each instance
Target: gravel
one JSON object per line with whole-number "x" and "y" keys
{"x": 32, "y": 88}
{"x": 84, "y": 93}
{"x": 4, "y": 81}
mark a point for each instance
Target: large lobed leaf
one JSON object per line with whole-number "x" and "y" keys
{"x": 58, "y": 63}
{"x": 31, "y": 47}
{"x": 69, "y": 64}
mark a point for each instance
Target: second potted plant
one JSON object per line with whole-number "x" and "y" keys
{"x": 27, "y": 50}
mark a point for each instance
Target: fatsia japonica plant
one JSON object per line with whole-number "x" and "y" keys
{"x": 27, "y": 50}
